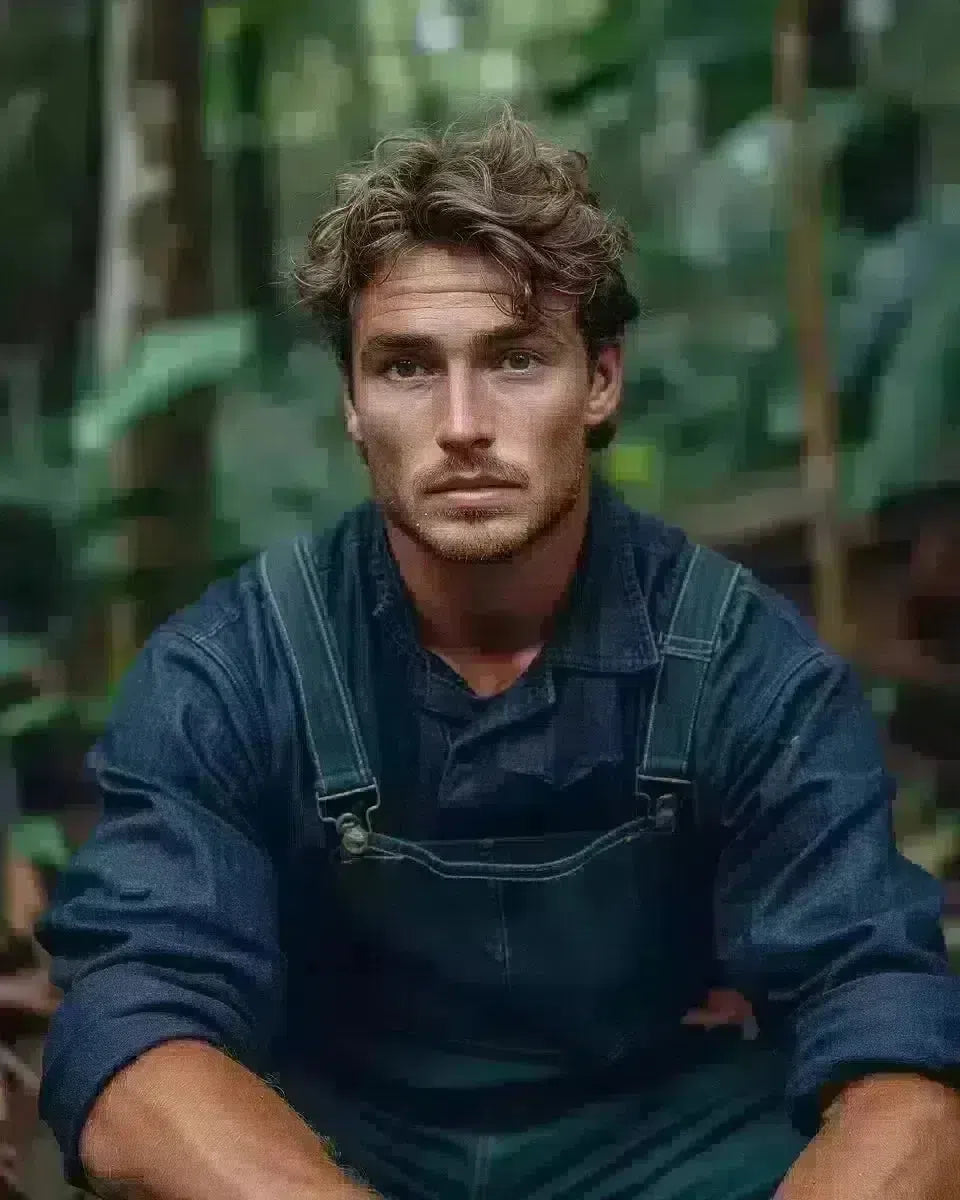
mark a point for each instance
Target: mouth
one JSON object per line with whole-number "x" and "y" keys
{"x": 472, "y": 487}
{"x": 474, "y": 496}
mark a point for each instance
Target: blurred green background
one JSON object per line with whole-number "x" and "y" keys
{"x": 165, "y": 409}
{"x": 791, "y": 172}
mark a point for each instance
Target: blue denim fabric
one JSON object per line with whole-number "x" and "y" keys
{"x": 715, "y": 1130}
{"x": 206, "y": 905}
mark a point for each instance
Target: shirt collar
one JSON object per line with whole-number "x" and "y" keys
{"x": 605, "y": 627}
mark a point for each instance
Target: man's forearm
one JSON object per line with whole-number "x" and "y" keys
{"x": 888, "y": 1137}
{"x": 186, "y": 1122}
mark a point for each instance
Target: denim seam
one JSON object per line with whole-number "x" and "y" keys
{"x": 781, "y": 767}
{"x": 213, "y": 654}
{"x": 399, "y": 850}
{"x": 701, "y": 684}
{"x": 228, "y": 615}
{"x": 753, "y": 588}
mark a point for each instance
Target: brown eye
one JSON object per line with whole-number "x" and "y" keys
{"x": 403, "y": 368}
{"x": 519, "y": 360}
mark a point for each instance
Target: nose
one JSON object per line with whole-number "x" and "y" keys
{"x": 466, "y": 418}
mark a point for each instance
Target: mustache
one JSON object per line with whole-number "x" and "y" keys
{"x": 441, "y": 477}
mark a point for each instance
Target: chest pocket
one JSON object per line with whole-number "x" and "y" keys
{"x": 512, "y": 943}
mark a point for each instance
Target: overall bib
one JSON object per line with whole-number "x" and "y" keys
{"x": 501, "y": 1017}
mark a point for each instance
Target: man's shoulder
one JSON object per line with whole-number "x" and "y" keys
{"x": 662, "y": 551}
{"x": 233, "y": 617}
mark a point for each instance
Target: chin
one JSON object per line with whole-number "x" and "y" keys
{"x": 458, "y": 535}
{"x": 475, "y": 541}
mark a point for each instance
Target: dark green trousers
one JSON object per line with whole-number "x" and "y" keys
{"x": 715, "y": 1131}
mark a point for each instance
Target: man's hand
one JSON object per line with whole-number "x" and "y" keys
{"x": 29, "y": 991}
{"x": 886, "y": 1137}
{"x": 723, "y": 1006}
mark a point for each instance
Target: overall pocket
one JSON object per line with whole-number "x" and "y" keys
{"x": 569, "y": 947}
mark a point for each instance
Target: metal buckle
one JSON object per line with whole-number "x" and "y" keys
{"x": 352, "y": 820}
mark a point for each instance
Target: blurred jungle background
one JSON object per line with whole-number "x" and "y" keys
{"x": 791, "y": 171}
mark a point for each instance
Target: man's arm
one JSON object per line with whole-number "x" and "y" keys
{"x": 833, "y": 936}
{"x": 164, "y": 940}
{"x": 186, "y": 1120}
{"x": 885, "y": 1137}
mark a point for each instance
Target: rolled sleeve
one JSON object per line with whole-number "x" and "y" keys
{"x": 164, "y": 924}
{"x": 881, "y": 1022}
{"x": 832, "y": 934}
{"x": 73, "y": 1081}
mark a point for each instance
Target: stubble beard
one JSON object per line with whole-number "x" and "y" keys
{"x": 484, "y": 536}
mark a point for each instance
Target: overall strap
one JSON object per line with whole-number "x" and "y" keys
{"x": 345, "y": 788}
{"x": 686, "y": 651}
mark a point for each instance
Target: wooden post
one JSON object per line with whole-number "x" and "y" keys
{"x": 808, "y": 307}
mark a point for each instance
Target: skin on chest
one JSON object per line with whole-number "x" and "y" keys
{"x": 489, "y": 674}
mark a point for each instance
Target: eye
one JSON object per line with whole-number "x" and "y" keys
{"x": 403, "y": 368}
{"x": 519, "y": 361}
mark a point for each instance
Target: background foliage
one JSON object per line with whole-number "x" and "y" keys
{"x": 675, "y": 104}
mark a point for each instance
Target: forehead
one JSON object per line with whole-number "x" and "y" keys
{"x": 435, "y": 291}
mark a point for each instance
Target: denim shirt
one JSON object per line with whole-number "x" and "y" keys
{"x": 201, "y": 907}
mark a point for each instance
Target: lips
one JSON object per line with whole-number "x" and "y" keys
{"x": 476, "y": 484}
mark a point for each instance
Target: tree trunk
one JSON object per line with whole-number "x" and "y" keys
{"x": 809, "y": 315}
{"x": 156, "y": 266}
{"x": 71, "y": 307}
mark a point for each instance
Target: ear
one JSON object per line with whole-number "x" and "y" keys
{"x": 350, "y": 415}
{"x": 606, "y": 386}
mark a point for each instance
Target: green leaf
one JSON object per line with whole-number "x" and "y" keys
{"x": 634, "y": 462}
{"x": 20, "y": 654}
{"x": 38, "y": 486}
{"x": 85, "y": 714}
{"x": 36, "y": 713}
{"x": 912, "y": 444}
{"x": 40, "y": 840}
{"x": 18, "y": 119}
{"x": 165, "y": 364}
{"x": 919, "y": 56}
{"x": 735, "y": 197}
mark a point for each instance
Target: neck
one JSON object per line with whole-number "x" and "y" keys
{"x": 496, "y": 609}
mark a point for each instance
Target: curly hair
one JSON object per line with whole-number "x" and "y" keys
{"x": 524, "y": 203}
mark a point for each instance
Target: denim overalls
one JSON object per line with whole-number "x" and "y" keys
{"x": 470, "y": 962}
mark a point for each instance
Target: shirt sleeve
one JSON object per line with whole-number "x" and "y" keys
{"x": 164, "y": 925}
{"x": 832, "y": 934}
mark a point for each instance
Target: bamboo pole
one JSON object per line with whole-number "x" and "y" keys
{"x": 808, "y": 308}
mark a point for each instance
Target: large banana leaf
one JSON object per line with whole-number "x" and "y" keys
{"x": 45, "y": 712}
{"x": 165, "y": 364}
{"x": 916, "y": 439}
{"x": 738, "y": 193}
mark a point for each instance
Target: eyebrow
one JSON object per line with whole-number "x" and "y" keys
{"x": 397, "y": 343}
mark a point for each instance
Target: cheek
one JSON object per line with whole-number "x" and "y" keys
{"x": 556, "y": 424}
{"x": 394, "y": 444}
{"x": 395, "y": 420}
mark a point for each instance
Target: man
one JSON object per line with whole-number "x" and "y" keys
{"x": 444, "y": 821}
